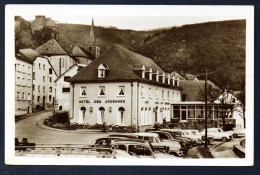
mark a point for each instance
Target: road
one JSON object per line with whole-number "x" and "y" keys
{"x": 27, "y": 128}
{"x": 225, "y": 150}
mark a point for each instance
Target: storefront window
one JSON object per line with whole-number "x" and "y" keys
{"x": 199, "y": 112}
{"x": 191, "y": 111}
{"x": 210, "y": 112}
{"x": 176, "y": 112}
{"x": 216, "y": 112}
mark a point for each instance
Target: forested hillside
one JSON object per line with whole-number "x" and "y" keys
{"x": 217, "y": 46}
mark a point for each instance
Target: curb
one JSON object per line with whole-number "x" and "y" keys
{"x": 214, "y": 147}
{"x": 42, "y": 126}
{"x": 239, "y": 150}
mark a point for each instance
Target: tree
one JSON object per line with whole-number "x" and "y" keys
{"x": 241, "y": 96}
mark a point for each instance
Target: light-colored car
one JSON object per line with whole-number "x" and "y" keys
{"x": 201, "y": 135}
{"x": 237, "y": 132}
{"x": 139, "y": 149}
{"x": 219, "y": 134}
{"x": 153, "y": 138}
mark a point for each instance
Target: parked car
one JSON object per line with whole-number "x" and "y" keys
{"x": 200, "y": 135}
{"x": 161, "y": 148}
{"x": 175, "y": 134}
{"x": 153, "y": 138}
{"x": 165, "y": 135}
{"x": 237, "y": 132}
{"x": 139, "y": 148}
{"x": 219, "y": 134}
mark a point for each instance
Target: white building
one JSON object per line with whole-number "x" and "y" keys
{"x": 43, "y": 86}
{"x": 63, "y": 87}
{"x": 122, "y": 88}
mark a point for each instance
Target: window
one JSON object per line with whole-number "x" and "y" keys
{"x": 65, "y": 89}
{"x": 23, "y": 81}
{"x": 33, "y": 75}
{"x": 50, "y": 71}
{"x": 121, "y": 111}
{"x": 18, "y": 80}
{"x": 18, "y": 95}
{"x": 43, "y": 89}
{"x": 29, "y": 96}
{"x": 39, "y": 65}
{"x": 157, "y": 93}
{"x": 50, "y": 79}
{"x": 38, "y": 99}
{"x": 50, "y": 89}
{"x": 172, "y": 95}
{"x": 49, "y": 98}
{"x": 101, "y": 91}
{"x": 191, "y": 111}
{"x": 29, "y": 82}
{"x": 199, "y": 112}
{"x": 176, "y": 112}
{"x": 121, "y": 90}
{"x": 162, "y": 94}
{"x": 23, "y": 68}
{"x": 23, "y": 95}
{"x": 83, "y": 91}
{"x": 150, "y": 93}
{"x": 62, "y": 62}
{"x": 29, "y": 69}
{"x": 39, "y": 89}
{"x": 142, "y": 91}
{"x": 101, "y": 73}
{"x": 18, "y": 67}
{"x": 168, "y": 95}
{"x": 43, "y": 78}
{"x": 44, "y": 67}
{"x": 33, "y": 87}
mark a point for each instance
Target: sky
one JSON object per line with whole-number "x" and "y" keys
{"x": 134, "y": 22}
{"x": 136, "y": 17}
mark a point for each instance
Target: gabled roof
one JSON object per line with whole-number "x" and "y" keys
{"x": 78, "y": 51}
{"x": 29, "y": 54}
{"x": 22, "y": 57}
{"x": 120, "y": 62}
{"x": 51, "y": 47}
{"x": 193, "y": 89}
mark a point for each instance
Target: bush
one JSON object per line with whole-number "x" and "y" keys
{"x": 61, "y": 117}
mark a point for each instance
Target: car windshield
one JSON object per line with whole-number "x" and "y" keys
{"x": 139, "y": 150}
{"x": 194, "y": 132}
{"x": 164, "y": 136}
{"x": 220, "y": 130}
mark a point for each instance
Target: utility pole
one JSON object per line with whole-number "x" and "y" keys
{"x": 206, "y": 112}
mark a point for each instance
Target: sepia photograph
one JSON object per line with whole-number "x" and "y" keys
{"x": 117, "y": 85}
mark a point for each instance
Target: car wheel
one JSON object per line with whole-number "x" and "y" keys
{"x": 235, "y": 135}
{"x": 223, "y": 139}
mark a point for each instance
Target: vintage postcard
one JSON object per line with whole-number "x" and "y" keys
{"x": 129, "y": 85}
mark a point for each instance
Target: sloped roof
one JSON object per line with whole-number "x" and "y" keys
{"x": 78, "y": 51}
{"x": 193, "y": 89}
{"x": 120, "y": 61}
{"x": 51, "y": 47}
{"x": 22, "y": 57}
{"x": 30, "y": 54}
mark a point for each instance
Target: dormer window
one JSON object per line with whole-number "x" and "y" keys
{"x": 102, "y": 70}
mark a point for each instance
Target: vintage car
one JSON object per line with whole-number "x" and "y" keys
{"x": 153, "y": 138}
{"x": 201, "y": 135}
{"x": 175, "y": 134}
{"x": 218, "y": 134}
{"x": 165, "y": 135}
{"x": 237, "y": 132}
{"x": 161, "y": 148}
{"x": 139, "y": 149}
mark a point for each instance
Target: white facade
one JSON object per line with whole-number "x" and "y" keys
{"x": 43, "y": 82}
{"x": 138, "y": 105}
{"x": 63, "y": 88}
{"x": 23, "y": 87}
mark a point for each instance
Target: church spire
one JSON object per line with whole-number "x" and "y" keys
{"x": 92, "y": 38}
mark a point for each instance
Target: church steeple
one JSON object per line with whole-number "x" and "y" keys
{"x": 92, "y": 38}
{"x": 92, "y": 46}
